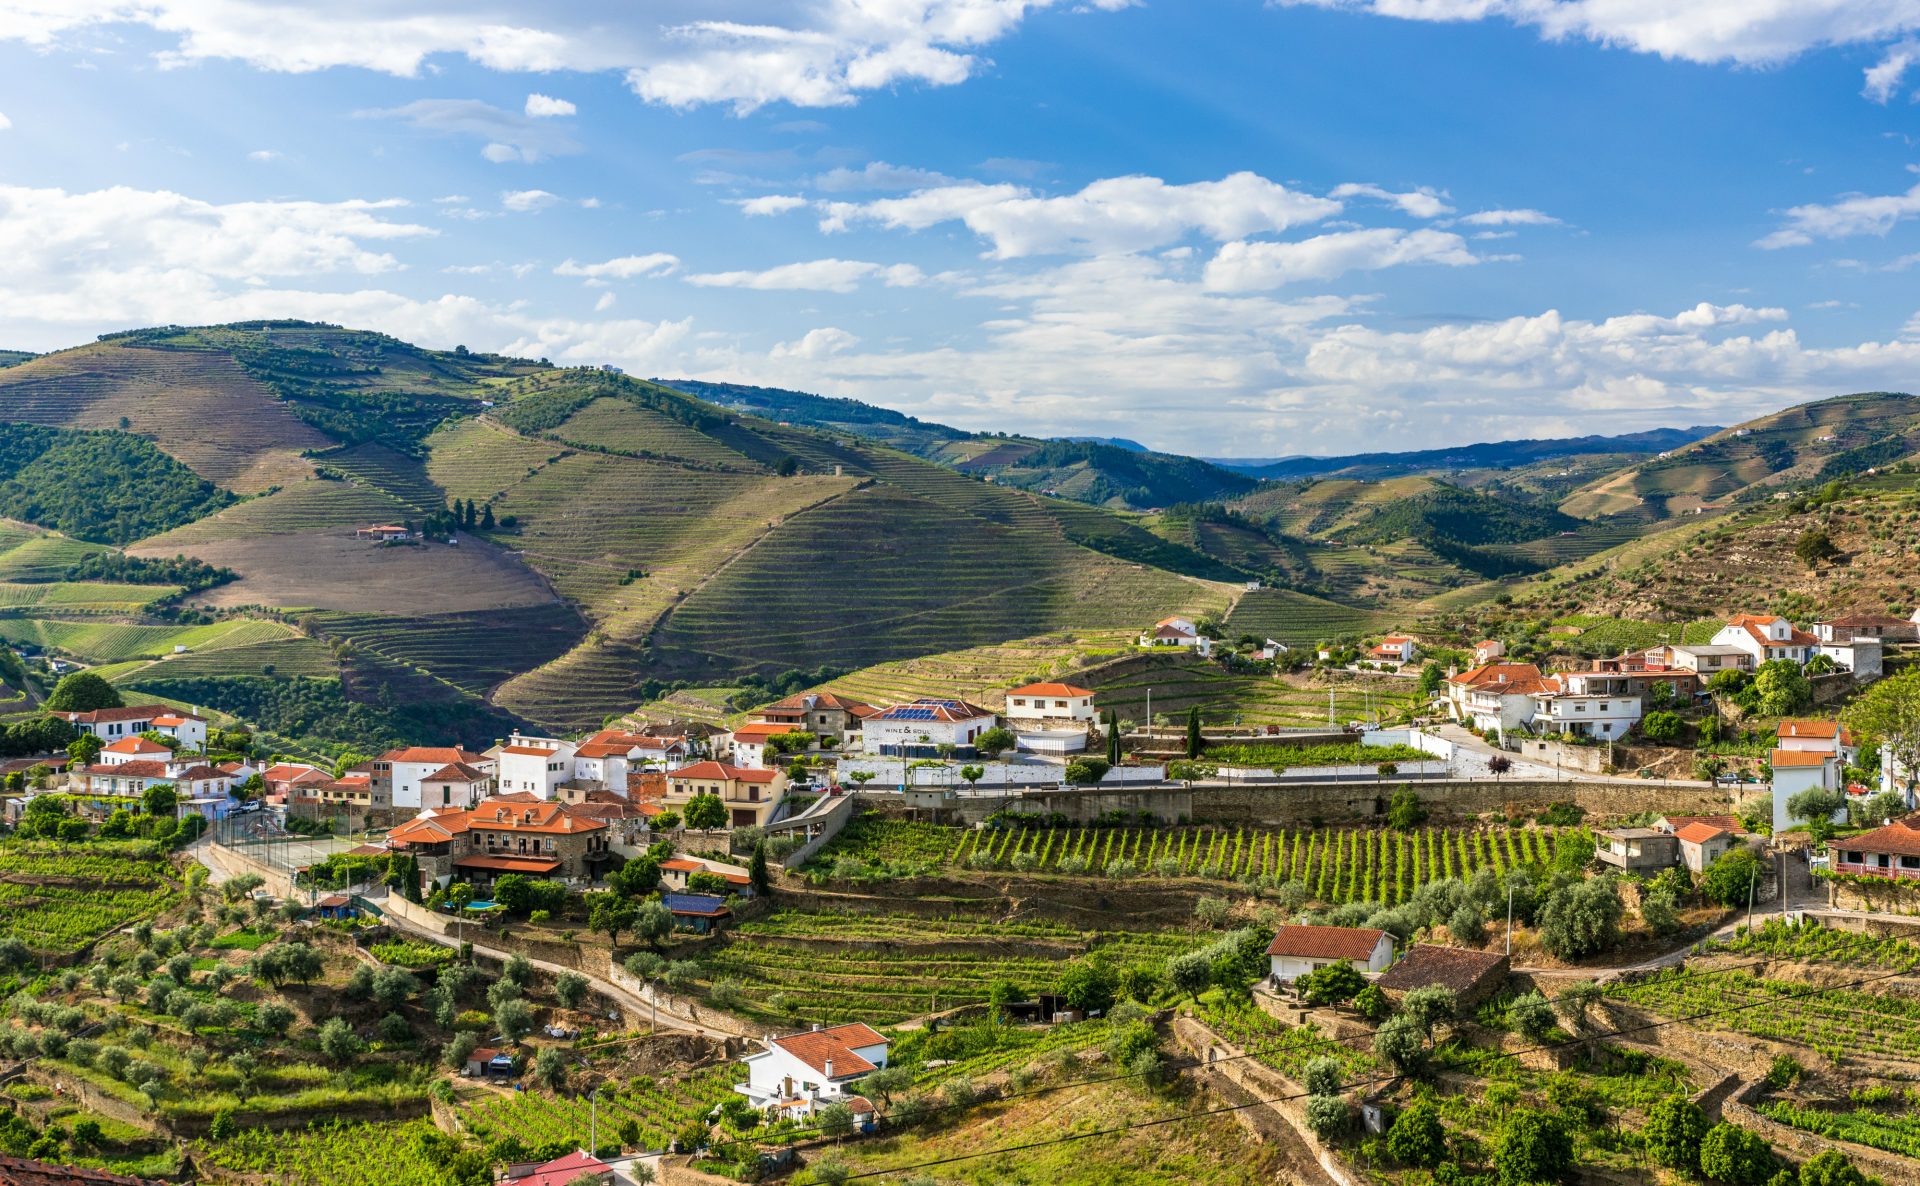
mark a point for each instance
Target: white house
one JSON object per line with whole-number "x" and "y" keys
{"x": 1494, "y": 696}
{"x": 1817, "y": 737}
{"x": 1702, "y": 844}
{"x": 112, "y": 724}
{"x": 919, "y": 729}
{"x": 534, "y": 765}
{"x": 1051, "y": 717}
{"x": 397, "y": 775}
{"x": 1795, "y": 771}
{"x": 1299, "y": 949}
{"x": 1859, "y": 655}
{"x": 1177, "y": 632}
{"x": 1487, "y": 650}
{"x": 1765, "y": 637}
{"x": 750, "y": 746}
{"x": 1398, "y": 649}
{"x": 1706, "y": 660}
{"x": 135, "y": 749}
{"x": 1586, "y": 704}
{"x": 800, "y": 1072}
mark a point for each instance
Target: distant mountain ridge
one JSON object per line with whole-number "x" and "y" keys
{"x": 1483, "y": 455}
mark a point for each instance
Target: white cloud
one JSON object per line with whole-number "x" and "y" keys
{"x": 879, "y": 175}
{"x": 510, "y": 136}
{"x": 1882, "y": 78}
{"x": 1117, "y": 214}
{"x": 819, "y": 275}
{"x": 263, "y": 156}
{"x": 1509, "y": 218}
{"x": 678, "y": 52}
{"x": 770, "y": 204}
{"x": 1853, "y": 214}
{"x": 1252, "y": 266}
{"x": 1420, "y": 203}
{"x": 1745, "y": 32}
{"x": 605, "y": 302}
{"x": 627, "y": 267}
{"x": 816, "y": 343}
{"x": 522, "y": 201}
{"x": 5, "y": 123}
{"x": 541, "y": 106}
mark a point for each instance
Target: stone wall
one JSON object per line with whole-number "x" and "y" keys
{"x": 1892, "y": 897}
{"x": 1287, "y": 1099}
{"x": 1362, "y": 802}
{"x": 1888, "y": 1167}
{"x": 1591, "y": 759}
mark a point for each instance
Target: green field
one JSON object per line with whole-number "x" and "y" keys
{"x": 661, "y": 1108}
{"x": 1299, "y": 620}
{"x": 1180, "y": 682}
{"x": 30, "y": 556}
{"x": 627, "y": 428}
{"x": 112, "y": 642}
{"x": 313, "y": 505}
{"x": 286, "y": 658}
{"x": 83, "y": 597}
{"x": 57, "y": 899}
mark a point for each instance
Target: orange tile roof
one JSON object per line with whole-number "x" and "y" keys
{"x": 135, "y": 769}
{"x": 683, "y": 865}
{"x": 1698, "y": 833}
{"x": 457, "y": 772}
{"x": 529, "y": 751}
{"x": 817, "y": 1047}
{"x": 1051, "y": 690}
{"x": 434, "y": 829}
{"x": 438, "y": 754}
{"x": 753, "y": 734}
{"x": 1730, "y": 823}
{"x": 136, "y": 745}
{"x": 724, "y": 771}
{"x": 814, "y": 701}
{"x": 1899, "y": 838}
{"x": 502, "y": 864}
{"x": 1816, "y": 729}
{"x": 1790, "y": 757}
{"x": 540, "y": 817}
{"x": 1496, "y": 673}
{"x": 1338, "y": 943}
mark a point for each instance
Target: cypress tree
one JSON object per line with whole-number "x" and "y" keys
{"x": 486, "y": 518}
{"x": 1113, "y": 738}
{"x": 1193, "y": 731}
{"x": 757, "y": 875}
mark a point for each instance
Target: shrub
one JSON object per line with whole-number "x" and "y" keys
{"x": 1733, "y": 1155}
{"x": 1323, "y": 1076}
{"x": 1330, "y": 985}
{"x": 1661, "y": 725}
{"x": 1581, "y": 919}
{"x": 1404, "y": 812}
{"x": 1729, "y": 879}
{"x": 1372, "y": 1003}
{"x": 1532, "y": 1147}
{"x": 1673, "y": 1130}
{"x": 1401, "y": 1043}
{"x": 1417, "y": 1137}
{"x": 1532, "y": 1014}
{"x": 1327, "y": 1116}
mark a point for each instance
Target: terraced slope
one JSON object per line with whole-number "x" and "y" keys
{"x": 112, "y": 642}
{"x": 174, "y": 397}
{"x": 1807, "y": 443}
{"x": 470, "y": 651}
{"x": 1297, "y": 619}
{"x": 29, "y": 553}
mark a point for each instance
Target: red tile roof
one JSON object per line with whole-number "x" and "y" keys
{"x": 457, "y": 772}
{"x": 723, "y": 771}
{"x": 1729, "y": 822}
{"x": 816, "y": 1047}
{"x": 132, "y": 712}
{"x": 1899, "y": 838}
{"x": 1493, "y": 674}
{"x": 757, "y": 733}
{"x": 815, "y": 702}
{"x": 136, "y": 745}
{"x": 1701, "y": 833}
{"x": 1051, "y": 690}
{"x": 1456, "y": 968}
{"x": 434, "y": 829}
{"x": 437, "y": 754}
{"x": 130, "y": 770}
{"x": 529, "y": 751}
{"x": 1334, "y": 943}
{"x": 1818, "y": 729}
{"x": 566, "y": 1169}
{"x": 1793, "y": 757}
{"x": 539, "y": 817}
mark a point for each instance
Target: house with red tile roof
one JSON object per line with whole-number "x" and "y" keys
{"x": 1298, "y": 949}
{"x": 134, "y": 749}
{"x": 918, "y": 729}
{"x": 565, "y": 1171}
{"x": 1797, "y": 770}
{"x": 113, "y": 724}
{"x": 504, "y": 834}
{"x": 751, "y": 796}
{"x": 1702, "y": 844}
{"x": 1395, "y": 649}
{"x": 1766, "y": 637}
{"x": 800, "y": 1072}
{"x": 1494, "y": 697}
{"x": 1050, "y": 717}
{"x": 751, "y": 746}
{"x": 1892, "y": 851}
{"x": 825, "y": 714}
{"x": 1177, "y": 632}
{"x": 398, "y": 773}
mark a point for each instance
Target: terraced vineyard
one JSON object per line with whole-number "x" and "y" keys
{"x": 623, "y": 427}
{"x": 982, "y": 674}
{"x": 883, "y": 969}
{"x": 1297, "y": 619}
{"x": 81, "y": 597}
{"x": 333, "y": 1154}
{"x": 309, "y": 506}
{"x": 471, "y": 651}
{"x": 919, "y": 585}
{"x": 1336, "y": 865}
{"x": 395, "y": 474}
{"x": 169, "y": 396}
{"x": 472, "y": 459}
{"x": 57, "y": 900}
{"x": 288, "y": 658}
{"x": 1848, "y": 1026}
{"x": 661, "y": 1109}
{"x": 112, "y": 642}
{"x": 1180, "y": 681}
{"x": 27, "y": 554}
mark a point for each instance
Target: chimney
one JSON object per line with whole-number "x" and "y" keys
{"x": 829, "y": 1068}
{"x": 816, "y": 1027}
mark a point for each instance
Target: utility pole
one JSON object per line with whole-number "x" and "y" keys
{"x": 593, "y": 1124}
{"x": 1509, "y": 918}
{"x": 1753, "y": 880}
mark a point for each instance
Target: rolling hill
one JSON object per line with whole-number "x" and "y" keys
{"x": 634, "y": 537}
{"x": 1487, "y": 455}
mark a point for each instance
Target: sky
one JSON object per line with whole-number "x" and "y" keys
{"x": 1219, "y": 227}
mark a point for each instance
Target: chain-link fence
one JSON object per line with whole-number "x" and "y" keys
{"x": 260, "y": 836}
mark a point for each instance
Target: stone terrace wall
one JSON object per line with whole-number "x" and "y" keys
{"x": 1360, "y": 802}
{"x": 1888, "y": 1167}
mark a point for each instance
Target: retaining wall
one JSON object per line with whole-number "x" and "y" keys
{"x": 1285, "y": 1098}
{"x": 829, "y": 823}
{"x": 1358, "y": 802}
{"x": 1888, "y": 1167}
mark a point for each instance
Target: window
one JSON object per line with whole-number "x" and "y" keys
{"x": 1852, "y": 857}
{"x": 1910, "y": 862}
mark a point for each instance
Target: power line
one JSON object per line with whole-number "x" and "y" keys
{"x": 1231, "y": 1108}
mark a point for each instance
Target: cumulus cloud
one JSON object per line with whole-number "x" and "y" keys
{"x": 770, "y": 204}
{"x": 1745, "y": 32}
{"x": 605, "y": 302}
{"x": 509, "y": 136}
{"x": 263, "y": 156}
{"x": 541, "y": 106}
{"x": 1420, "y": 203}
{"x": 816, "y": 343}
{"x": 682, "y": 53}
{"x": 1853, "y": 214}
{"x": 627, "y": 267}
{"x": 1250, "y": 266}
{"x": 1883, "y": 77}
{"x": 5, "y": 123}
{"x": 819, "y": 275}
{"x": 1116, "y": 214}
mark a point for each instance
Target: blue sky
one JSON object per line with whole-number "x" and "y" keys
{"x": 1219, "y": 227}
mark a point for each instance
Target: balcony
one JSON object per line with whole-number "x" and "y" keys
{"x": 1897, "y": 868}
